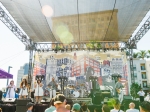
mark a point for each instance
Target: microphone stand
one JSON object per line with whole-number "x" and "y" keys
{"x": 38, "y": 92}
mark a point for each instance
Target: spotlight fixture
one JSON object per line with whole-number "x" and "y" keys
{"x": 93, "y": 78}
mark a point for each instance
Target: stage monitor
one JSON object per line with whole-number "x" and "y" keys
{"x": 9, "y": 100}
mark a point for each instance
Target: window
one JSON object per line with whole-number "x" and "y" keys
{"x": 143, "y": 75}
{"x": 142, "y": 66}
{"x": 144, "y": 83}
{"x": 134, "y": 68}
{"x": 135, "y": 74}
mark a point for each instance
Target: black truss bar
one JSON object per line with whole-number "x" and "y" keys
{"x": 13, "y": 27}
{"x": 142, "y": 31}
{"x": 131, "y": 65}
{"x": 30, "y": 62}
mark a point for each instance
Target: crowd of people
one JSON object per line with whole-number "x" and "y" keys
{"x": 59, "y": 104}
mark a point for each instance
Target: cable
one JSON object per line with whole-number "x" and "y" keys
{"x": 47, "y": 23}
{"x": 10, "y": 60}
{"x": 110, "y": 19}
{"x": 10, "y": 56}
{"x": 78, "y": 20}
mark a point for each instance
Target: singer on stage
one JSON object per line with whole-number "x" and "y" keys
{"x": 38, "y": 91}
{"x": 11, "y": 88}
{"x": 23, "y": 89}
{"x": 53, "y": 86}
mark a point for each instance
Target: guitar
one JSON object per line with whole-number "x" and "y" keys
{"x": 120, "y": 90}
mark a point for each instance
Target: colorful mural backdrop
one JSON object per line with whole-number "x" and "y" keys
{"x": 80, "y": 65}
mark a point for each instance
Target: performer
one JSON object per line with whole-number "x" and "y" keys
{"x": 141, "y": 94}
{"x": 53, "y": 86}
{"x": 119, "y": 90}
{"x": 38, "y": 91}
{"x": 23, "y": 89}
{"x": 11, "y": 88}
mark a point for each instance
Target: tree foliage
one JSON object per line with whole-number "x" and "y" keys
{"x": 134, "y": 90}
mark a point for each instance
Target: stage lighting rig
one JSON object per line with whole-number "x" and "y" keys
{"x": 93, "y": 78}
{"x": 40, "y": 77}
{"x": 62, "y": 80}
{"x": 115, "y": 77}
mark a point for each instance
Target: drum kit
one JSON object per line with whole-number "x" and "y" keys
{"x": 76, "y": 91}
{"x": 71, "y": 91}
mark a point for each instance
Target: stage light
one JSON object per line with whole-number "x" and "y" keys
{"x": 47, "y": 11}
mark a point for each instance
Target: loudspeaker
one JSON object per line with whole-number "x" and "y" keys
{"x": 92, "y": 107}
{"x": 22, "y": 102}
{"x": 97, "y": 98}
{"x": 1, "y": 94}
{"x": 21, "y": 108}
{"x": 127, "y": 100}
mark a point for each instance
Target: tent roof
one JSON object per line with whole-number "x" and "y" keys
{"x": 5, "y": 75}
{"x": 116, "y": 25}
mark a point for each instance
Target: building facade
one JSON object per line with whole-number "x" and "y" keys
{"x": 22, "y": 73}
{"x": 140, "y": 73}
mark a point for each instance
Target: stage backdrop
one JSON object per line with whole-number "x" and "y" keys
{"x": 78, "y": 66}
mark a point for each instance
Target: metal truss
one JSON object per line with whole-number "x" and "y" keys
{"x": 131, "y": 44}
{"x": 45, "y": 47}
{"x": 13, "y": 27}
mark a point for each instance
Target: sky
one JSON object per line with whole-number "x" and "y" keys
{"x": 12, "y": 51}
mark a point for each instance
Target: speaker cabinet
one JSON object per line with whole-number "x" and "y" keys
{"x": 97, "y": 98}
{"x": 22, "y": 102}
{"x": 21, "y": 108}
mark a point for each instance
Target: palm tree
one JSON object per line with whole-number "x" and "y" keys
{"x": 148, "y": 52}
{"x": 142, "y": 54}
{"x": 135, "y": 55}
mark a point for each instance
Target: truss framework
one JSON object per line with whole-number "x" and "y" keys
{"x": 32, "y": 46}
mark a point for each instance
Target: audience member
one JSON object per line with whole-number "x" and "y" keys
{"x": 141, "y": 94}
{"x": 52, "y": 107}
{"x": 145, "y": 106}
{"x": 132, "y": 106}
{"x": 62, "y": 109}
{"x": 68, "y": 107}
{"x": 84, "y": 108}
{"x": 59, "y": 102}
{"x": 116, "y": 106}
{"x": 29, "y": 107}
{"x": 76, "y": 107}
{"x": 105, "y": 108}
{"x": 0, "y": 110}
{"x": 97, "y": 110}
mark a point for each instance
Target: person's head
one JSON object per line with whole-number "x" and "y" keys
{"x": 51, "y": 102}
{"x": 59, "y": 101}
{"x": 97, "y": 110}
{"x": 0, "y": 110}
{"x": 145, "y": 106}
{"x": 84, "y": 107}
{"x": 105, "y": 108}
{"x": 141, "y": 89}
{"x": 117, "y": 104}
{"x": 11, "y": 82}
{"x": 38, "y": 81}
{"x": 30, "y": 106}
{"x": 68, "y": 107}
{"x": 62, "y": 109}
{"x": 131, "y": 105}
{"x": 53, "y": 79}
{"x": 24, "y": 81}
{"x": 76, "y": 107}
{"x": 119, "y": 78}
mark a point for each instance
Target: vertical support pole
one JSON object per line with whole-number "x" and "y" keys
{"x": 30, "y": 62}
{"x": 131, "y": 65}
